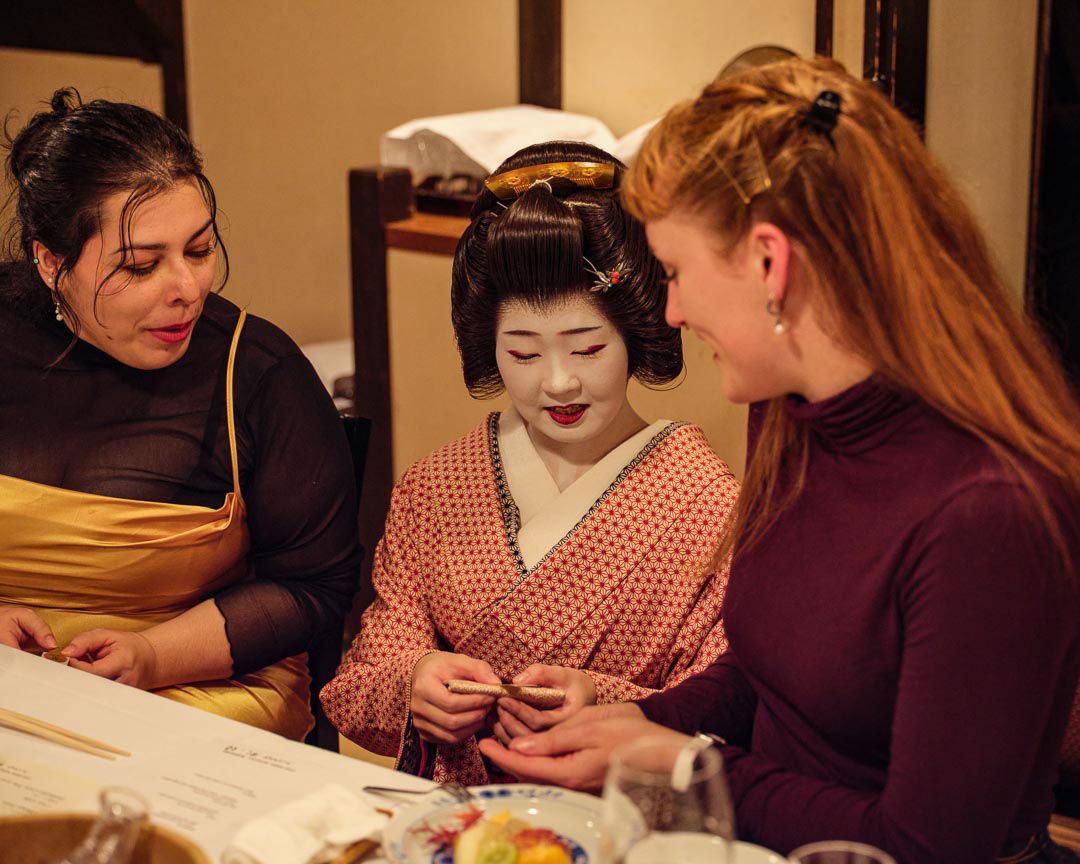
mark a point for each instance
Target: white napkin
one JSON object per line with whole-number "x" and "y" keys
{"x": 476, "y": 142}
{"x": 311, "y": 829}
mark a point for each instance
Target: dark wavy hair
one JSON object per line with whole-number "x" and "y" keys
{"x": 533, "y": 249}
{"x": 64, "y": 163}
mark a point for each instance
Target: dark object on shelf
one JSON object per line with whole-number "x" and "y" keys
{"x": 345, "y": 387}
{"x": 450, "y": 196}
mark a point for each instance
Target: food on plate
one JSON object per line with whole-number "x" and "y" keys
{"x": 498, "y": 839}
{"x": 538, "y": 697}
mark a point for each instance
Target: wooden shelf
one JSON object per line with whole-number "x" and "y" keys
{"x": 426, "y": 232}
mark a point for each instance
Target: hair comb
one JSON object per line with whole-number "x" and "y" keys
{"x": 556, "y": 175}
{"x": 823, "y": 114}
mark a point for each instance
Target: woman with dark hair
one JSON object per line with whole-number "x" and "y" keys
{"x": 564, "y": 542}
{"x": 152, "y": 434}
{"x": 904, "y": 611}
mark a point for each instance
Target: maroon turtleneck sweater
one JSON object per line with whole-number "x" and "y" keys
{"x": 905, "y": 645}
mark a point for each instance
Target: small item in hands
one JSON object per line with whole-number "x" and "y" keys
{"x": 538, "y": 697}
{"x": 57, "y": 656}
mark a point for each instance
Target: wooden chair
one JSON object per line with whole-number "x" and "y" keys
{"x": 324, "y": 654}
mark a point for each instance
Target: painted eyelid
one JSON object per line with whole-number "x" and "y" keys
{"x": 592, "y": 349}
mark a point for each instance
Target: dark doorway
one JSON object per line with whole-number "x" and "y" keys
{"x": 1053, "y": 278}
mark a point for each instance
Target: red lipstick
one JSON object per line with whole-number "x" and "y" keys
{"x": 567, "y": 415}
{"x": 174, "y": 333}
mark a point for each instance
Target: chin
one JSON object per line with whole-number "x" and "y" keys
{"x": 148, "y": 361}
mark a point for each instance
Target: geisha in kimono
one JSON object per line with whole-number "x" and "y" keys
{"x": 563, "y": 542}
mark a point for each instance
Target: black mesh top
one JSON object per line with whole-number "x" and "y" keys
{"x": 92, "y": 424}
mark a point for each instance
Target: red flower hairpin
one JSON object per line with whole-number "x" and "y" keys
{"x": 604, "y": 278}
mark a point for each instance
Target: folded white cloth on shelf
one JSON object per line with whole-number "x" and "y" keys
{"x": 314, "y": 828}
{"x": 476, "y": 142}
{"x": 626, "y": 148}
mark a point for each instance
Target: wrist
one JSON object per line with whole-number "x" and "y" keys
{"x": 149, "y": 674}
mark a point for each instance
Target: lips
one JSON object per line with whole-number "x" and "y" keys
{"x": 172, "y": 333}
{"x": 567, "y": 415}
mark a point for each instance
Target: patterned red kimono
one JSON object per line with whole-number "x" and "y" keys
{"x": 622, "y": 594}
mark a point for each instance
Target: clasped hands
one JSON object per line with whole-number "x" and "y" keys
{"x": 115, "y": 654}
{"x": 449, "y": 718}
{"x": 566, "y": 746}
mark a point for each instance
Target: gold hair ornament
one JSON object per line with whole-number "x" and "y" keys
{"x": 760, "y": 170}
{"x": 555, "y": 175}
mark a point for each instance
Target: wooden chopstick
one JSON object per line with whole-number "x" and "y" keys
{"x": 58, "y": 734}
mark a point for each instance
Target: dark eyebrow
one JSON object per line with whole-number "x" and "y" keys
{"x": 577, "y": 331}
{"x": 159, "y": 246}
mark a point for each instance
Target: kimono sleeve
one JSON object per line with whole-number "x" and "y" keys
{"x": 368, "y": 699}
{"x": 700, "y": 639}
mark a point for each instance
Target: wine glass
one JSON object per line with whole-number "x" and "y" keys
{"x": 664, "y": 802}
{"x": 839, "y": 852}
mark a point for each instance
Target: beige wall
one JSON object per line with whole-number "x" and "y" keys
{"x": 980, "y": 92}
{"x": 286, "y": 97}
{"x": 628, "y": 62}
{"x": 28, "y": 79}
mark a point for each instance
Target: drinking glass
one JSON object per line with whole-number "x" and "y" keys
{"x": 839, "y": 852}
{"x": 664, "y": 802}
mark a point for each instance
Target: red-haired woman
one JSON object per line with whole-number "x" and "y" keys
{"x": 903, "y": 607}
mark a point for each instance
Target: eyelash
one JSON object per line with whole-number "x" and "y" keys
{"x": 139, "y": 272}
{"x": 591, "y": 351}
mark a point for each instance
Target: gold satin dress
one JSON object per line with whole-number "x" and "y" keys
{"x": 84, "y": 561}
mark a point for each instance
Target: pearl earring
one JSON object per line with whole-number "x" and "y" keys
{"x": 773, "y": 308}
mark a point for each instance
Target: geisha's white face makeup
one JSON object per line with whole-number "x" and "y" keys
{"x": 565, "y": 371}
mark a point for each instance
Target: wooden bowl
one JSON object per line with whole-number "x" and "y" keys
{"x": 44, "y": 837}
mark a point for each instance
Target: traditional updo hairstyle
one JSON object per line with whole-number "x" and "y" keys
{"x": 64, "y": 163}
{"x": 533, "y": 249}
{"x": 886, "y": 248}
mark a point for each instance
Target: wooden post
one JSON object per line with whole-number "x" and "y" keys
{"x": 376, "y": 196}
{"x": 540, "y": 52}
{"x": 894, "y": 52}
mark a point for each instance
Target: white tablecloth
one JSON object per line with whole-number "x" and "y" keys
{"x": 203, "y": 775}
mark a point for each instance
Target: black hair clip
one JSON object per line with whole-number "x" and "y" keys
{"x": 823, "y": 114}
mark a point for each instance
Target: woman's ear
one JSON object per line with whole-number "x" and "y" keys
{"x": 47, "y": 264}
{"x": 770, "y": 257}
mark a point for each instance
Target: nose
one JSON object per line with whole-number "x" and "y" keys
{"x": 673, "y": 312}
{"x": 183, "y": 286}
{"x": 560, "y": 381}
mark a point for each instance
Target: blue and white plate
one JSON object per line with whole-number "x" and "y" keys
{"x": 574, "y": 816}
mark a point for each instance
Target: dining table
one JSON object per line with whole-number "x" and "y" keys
{"x": 204, "y": 776}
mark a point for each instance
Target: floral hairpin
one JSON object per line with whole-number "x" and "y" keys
{"x": 605, "y": 279}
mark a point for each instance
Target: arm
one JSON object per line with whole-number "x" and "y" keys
{"x": 368, "y": 699}
{"x": 700, "y": 638}
{"x": 988, "y": 625}
{"x": 303, "y": 541}
{"x": 302, "y": 511}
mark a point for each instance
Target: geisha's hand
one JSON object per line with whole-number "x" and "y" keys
{"x": 115, "y": 654}
{"x": 23, "y": 628}
{"x": 444, "y": 717}
{"x": 515, "y": 718}
{"x": 576, "y": 753}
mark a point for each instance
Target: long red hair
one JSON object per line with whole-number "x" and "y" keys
{"x": 892, "y": 255}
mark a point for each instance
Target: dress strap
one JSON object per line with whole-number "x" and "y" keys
{"x": 229, "y": 402}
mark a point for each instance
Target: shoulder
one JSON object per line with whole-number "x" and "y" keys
{"x": 683, "y": 447}
{"x": 458, "y": 459}
{"x": 262, "y": 344}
